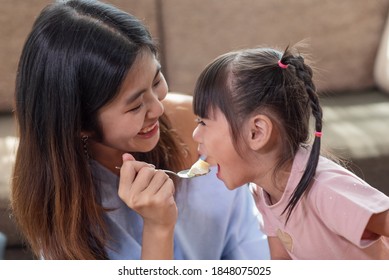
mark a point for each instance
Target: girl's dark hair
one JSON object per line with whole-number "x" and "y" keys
{"x": 73, "y": 63}
{"x": 250, "y": 81}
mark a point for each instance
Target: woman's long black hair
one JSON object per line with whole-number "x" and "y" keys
{"x": 73, "y": 62}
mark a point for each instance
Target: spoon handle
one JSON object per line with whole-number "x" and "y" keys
{"x": 164, "y": 170}
{"x": 170, "y": 172}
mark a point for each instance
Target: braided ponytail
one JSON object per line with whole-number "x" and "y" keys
{"x": 304, "y": 73}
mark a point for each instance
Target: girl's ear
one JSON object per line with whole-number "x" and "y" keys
{"x": 261, "y": 129}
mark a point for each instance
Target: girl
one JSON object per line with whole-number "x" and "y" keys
{"x": 254, "y": 108}
{"x": 89, "y": 90}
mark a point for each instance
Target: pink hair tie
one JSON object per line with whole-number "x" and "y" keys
{"x": 283, "y": 66}
{"x": 318, "y": 133}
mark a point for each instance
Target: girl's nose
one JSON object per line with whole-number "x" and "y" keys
{"x": 196, "y": 134}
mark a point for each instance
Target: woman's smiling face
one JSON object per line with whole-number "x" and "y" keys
{"x": 215, "y": 141}
{"x": 130, "y": 122}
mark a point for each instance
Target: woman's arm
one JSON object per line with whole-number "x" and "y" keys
{"x": 157, "y": 242}
{"x": 178, "y": 108}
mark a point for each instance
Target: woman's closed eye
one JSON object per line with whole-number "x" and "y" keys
{"x": 158, "y": 79}
{"x": 136, "y": 108}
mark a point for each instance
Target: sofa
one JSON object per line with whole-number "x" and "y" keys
{"x": 346, "y": 40}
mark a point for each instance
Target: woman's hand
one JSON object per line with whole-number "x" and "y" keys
{"x": 150, "y": 193}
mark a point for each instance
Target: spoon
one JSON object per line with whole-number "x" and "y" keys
{"x": 184, "y": 173}
{"x": 181, "y": 174}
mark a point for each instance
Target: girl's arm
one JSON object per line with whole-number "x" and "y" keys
{"x": 277, "y": 250}
{"x": 379, "y": 223}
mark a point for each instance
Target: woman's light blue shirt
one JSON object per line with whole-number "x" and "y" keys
{"x": 213, "y": 222}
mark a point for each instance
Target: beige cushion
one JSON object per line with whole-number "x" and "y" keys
{"x": 381, "y": 67}
{"x": 356, "y": 125}
{"x": 344, "y": 35}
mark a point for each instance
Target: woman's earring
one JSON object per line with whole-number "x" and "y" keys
{"x": 84, "y": 140}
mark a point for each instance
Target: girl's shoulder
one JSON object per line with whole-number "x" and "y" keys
{"x": 334, "y": 181}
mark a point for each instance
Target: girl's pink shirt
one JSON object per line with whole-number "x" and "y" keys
{"x": 329, "y": 222}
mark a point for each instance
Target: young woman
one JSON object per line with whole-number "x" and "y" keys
{"x": 254, "y": 107}
{"x": 88, "y": 99}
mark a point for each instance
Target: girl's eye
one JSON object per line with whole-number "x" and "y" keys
{"x": 199, "y": 121}
{"x": 157, "y": 83}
